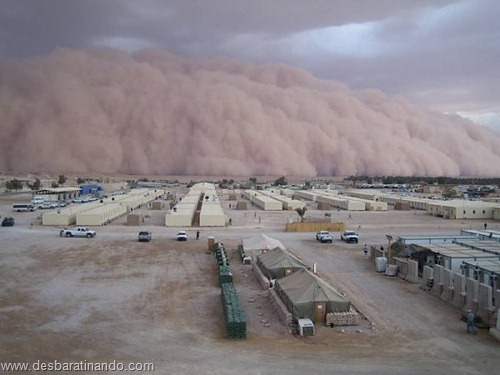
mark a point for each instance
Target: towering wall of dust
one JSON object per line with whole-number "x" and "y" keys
{"x": 154, "y": 113}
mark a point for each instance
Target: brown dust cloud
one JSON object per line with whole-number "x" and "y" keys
{"x": 151, "y": 112}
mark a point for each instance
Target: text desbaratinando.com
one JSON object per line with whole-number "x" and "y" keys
{"x": 77, "y": 366}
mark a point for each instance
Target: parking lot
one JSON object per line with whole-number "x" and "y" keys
{"x": 114, "y": 298}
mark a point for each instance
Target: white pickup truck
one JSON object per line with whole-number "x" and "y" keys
{"x": 349, "y": 236}
{"x": 77, "y": 232}
{"x": 324, "y": 236}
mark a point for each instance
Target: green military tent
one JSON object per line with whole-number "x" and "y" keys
{"x": 307, "y": 296}
{"x": 278, "y": 263}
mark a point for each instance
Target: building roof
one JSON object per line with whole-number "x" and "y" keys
{"x": 57, "y": 190}
{"x": 459, "y": 251}
{"x": 490, "y": 265}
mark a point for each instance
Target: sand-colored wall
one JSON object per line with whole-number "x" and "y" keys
{"x": 315, "y": 227}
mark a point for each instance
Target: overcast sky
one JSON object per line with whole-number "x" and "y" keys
{"x": 441, "y": 54}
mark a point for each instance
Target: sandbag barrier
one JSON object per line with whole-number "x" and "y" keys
{"x": 225, "y": 274}
{"x": 234, "y": 314}
{"x": 236, "y": 324}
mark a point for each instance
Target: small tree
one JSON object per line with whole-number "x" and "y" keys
{"x": 224, "y": 184}
{"x": 54, "y": 185}
{"x": 14, "y": 184}
{"x": 301, "y": 211}
{"x": 62, "y": 179}
{"x": 35, "y": 185}
{"x": 449, "y": 192}
{"x": 281, "y": 181}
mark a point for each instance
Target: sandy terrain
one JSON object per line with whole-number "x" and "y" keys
{"x": 112, "y": 298}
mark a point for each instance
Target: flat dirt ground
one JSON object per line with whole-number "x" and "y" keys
{"x": 112, "y": 298}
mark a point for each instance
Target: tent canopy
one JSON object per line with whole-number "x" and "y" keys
{"x": 262, "y": 242}
{"x": 278, "y": 263}
{"x": 302, "y": 290}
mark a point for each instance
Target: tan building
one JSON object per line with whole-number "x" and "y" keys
{"x": 101, "y": 211}
{"x": 461, "y": 209}
{"x": 263, "y": 201}
{"x": 199, "y": 207}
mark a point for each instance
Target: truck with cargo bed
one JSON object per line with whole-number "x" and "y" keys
{"x": 324, "y": 236}
{"x": 77, "y": 232}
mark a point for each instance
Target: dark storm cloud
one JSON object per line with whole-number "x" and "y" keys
{"x": 33, "y": 27}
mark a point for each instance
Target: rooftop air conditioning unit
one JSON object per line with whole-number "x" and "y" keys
{"x": 306, "y": 327}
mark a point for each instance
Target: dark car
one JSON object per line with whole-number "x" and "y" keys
{"x": 145, "y": 236}
{"x": 8, "y": 222}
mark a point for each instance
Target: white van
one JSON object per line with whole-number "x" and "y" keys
{"x": 37, "y": 200}
{"x": 23, "y": 207}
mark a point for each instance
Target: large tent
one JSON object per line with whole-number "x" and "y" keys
{"x": 278, "y": 263}
{"x": 308, "y": 296}
{"x": 260, "y": 244}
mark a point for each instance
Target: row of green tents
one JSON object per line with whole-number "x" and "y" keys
{"x": 300, "y": 290}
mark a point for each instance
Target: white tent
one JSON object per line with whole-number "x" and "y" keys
{"x": 261, "y": 244}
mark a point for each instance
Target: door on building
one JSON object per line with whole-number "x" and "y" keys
{"x": 319, "y": 312}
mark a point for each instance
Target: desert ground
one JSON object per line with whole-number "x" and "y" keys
{"x": 111, "y": 298}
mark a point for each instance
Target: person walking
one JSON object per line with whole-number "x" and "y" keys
{"x": 471, "y": 327}
{"x": 365, "y": 249}
{"x": 198, "y": 235}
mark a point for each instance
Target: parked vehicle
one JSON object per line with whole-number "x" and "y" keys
{"x": 8, "y": 221}
{"x": 349, "y": 236}
{"x": 182, "y": 236}
{"x": 77, "y": 232}
{"x": 37, "y": 200}
{"x": 49, "y": 205}
{"x": 23, "y": 207}
{"x": 324, "y": 236}
{"x": 145, "y": 236}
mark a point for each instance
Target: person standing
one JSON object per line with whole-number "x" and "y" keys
{"x": 198, "y": 235}
{"x": 471, "y": 327}
{"x": 365, "y": 249}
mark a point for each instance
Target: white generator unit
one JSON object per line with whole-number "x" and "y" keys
{"x": 306, "y": 327}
